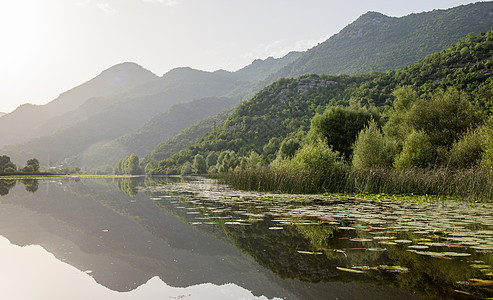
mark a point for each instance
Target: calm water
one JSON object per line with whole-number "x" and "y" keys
{"x": 173, "y": 238}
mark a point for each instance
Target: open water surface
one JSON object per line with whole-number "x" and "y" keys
{"x": 192, "y": 238}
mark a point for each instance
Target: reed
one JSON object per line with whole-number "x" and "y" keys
{"x": 464, "y": 184}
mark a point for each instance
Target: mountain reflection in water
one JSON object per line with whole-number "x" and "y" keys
{"x": 129, "y": 238}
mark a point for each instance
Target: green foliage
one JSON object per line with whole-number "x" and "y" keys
{"x": 199, "y": 165}
{"x": 288, "y": 148}
{"x": 128, "y": 166}
{"x": 211, "y": 159}
{"x": 372, "y": 150}
{"x": 6, "y": 164}
{"x": 186, "y": 169}
{"x": 445, "y": 117}
{"x": 416, "y": 152}
{"x": 338, "y": 126}
{"x": 34, "y": 163}
{"x": 254, "y": 160}
{"x": 443, "y": 96}
{"x": 467, "y": 152}
{"x": 227, "y": 161}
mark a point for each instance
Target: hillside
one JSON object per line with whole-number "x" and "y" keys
{"x": 288, "y": 105}
{"x": 100, "y": 120}
{"x": 188, "y": 136}
{"x": 375, "y": 42}
{"x": 28, "y": 120}
{"x": 157, "y": 130}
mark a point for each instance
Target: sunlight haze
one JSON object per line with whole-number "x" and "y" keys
{"x": 51, "y": 46}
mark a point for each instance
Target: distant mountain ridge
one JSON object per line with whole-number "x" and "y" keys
{"x": 27, "y": 120}
{"x": 101, "y": 119}
{"x": 376, "y": 42}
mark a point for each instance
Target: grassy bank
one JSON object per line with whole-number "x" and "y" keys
{"x": 464, "y": 184}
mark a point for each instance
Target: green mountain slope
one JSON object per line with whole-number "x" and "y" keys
{"x": 375, "y": 42}
{"x": 288, "y": 105}
{"x": 157, "y": 130}
{"x": 188, "y": 136}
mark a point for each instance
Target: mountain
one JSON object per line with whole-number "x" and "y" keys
{"x": 101, "y": 119}
{"x": 157, "y": 130}
{"x": 286, "y": 107}
{"x": 2, "y": 114}
{"x": 27, "y": 120}
{"x": 188, "y": 136}
{"x": 375, "y": 42}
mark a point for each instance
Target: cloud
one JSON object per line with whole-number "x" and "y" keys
{"x": 107, "y": 8}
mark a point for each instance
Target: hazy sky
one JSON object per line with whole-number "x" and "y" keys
{"x": 50, "y": 46}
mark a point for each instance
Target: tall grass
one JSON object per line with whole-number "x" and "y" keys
{"x": 465, "y": 184}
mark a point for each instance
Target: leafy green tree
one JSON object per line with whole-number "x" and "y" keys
{"x": 445, "y": 118}
{"x": 417, "y": 151}
{"x": 6, "y": 164}
{"x": 119, "y": 168}
{"x": 288, "y": 148}
{"x": 468, "y": 151}
{"x": 254, "y": 160}
{"x": 227, "y": 161}
{"x": 199, "y": 164}
{"x": 211, "y": 159}
{"x": 372, "y": 150}
{"x": 186, "y": 169}
{"x": 34, "y": 163}
{"x": 318, "y": 157}
{"x": 338, "y": 126}
{"x": 132, "y": 166}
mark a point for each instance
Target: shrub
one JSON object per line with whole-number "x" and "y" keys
{"x": 416, "y": 152}
{"x": 371, "y": 150}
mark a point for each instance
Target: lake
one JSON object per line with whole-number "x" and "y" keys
{"x": 192, "y": 238}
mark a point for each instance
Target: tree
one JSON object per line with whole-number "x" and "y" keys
{"x": 34, "y": 163}
{"x": 338, "y": 126}
{"x": 199, "y": 164}
{"x": 372, "y": 150}
{"x": 211, "y": 159}
{"x": 6, "y": 165}
{"x": 288, "y": 148}
{"x": 132, "y": 166}
{"x": 417, "y": 151}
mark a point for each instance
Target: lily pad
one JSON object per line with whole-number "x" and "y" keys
{"x": 350, "y": 270}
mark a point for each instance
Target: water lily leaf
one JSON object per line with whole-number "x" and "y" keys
{"x": 350, "y": 270}
{"x": 456, "y": 254}
{"x": 361, "y": 240}
{"x": 403, "y": 241}
{"x": 398, "y": 269}
{"x": 377, "y": 249}
{"x": 481, "y": 282}
{"x": 478, "y": 266}
{"x": 419, "y": 247}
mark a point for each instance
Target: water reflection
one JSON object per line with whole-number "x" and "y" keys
{"x": 53, "y": 279}
{"x": 436, "y": 250}
{"x": 129, "y": 234}
{"x": 6, "y": 185}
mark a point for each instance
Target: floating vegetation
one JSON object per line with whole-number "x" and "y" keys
{"x": 374, "y": 235}
{"x": 309, "y": 252}
{"x": 350, "y": 270}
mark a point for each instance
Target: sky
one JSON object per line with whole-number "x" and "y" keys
{"x": 50, "y": 46}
